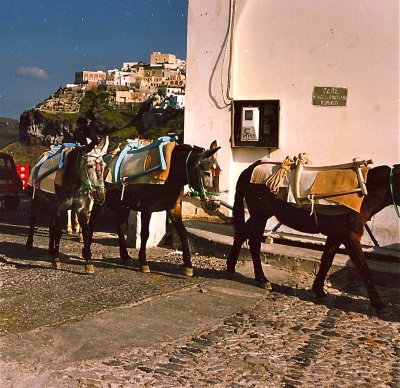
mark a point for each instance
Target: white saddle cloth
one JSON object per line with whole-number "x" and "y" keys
{"x": 263, "y": 171}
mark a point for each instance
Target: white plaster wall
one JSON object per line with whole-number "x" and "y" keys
{"x": 157, "y": 229}
{"x": 207, "y": 112}
{"x": 285, "y": 48}
{"x": 281, "y": 50}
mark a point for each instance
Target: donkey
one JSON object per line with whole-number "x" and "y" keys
{"x": 190, "y": 165}
{"x": 383, "y": 187}
{"x": 83, "y": 178}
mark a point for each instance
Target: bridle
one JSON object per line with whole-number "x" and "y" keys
{"x": 88, "y": 186}
{"x": 203, "y": 194}
{"x": 396, "y": 208}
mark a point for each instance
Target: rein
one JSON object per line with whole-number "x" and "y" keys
{"x": 396, "y": 208}
{"x": 203, "y": 193}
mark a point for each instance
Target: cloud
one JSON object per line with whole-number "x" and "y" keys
{"x": 32, "y": 72}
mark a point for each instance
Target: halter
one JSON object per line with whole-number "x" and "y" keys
{"x": 392, "y": 193}
{"x": 87, "y": 185}
{"x": 203, "y": 193}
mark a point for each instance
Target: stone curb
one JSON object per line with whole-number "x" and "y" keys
{"x": 216, "y": 240}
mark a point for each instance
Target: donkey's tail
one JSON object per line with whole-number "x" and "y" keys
{"x": 242, "y": 185}
{"x": 238, "y": 204}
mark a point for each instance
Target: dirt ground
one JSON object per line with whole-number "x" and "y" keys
{"x": 34, "y": 295}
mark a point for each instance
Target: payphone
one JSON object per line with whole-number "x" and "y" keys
{"x": 255, "y": 123}
{"x": 250, "y": 130}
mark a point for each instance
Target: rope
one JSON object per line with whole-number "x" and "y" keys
{"x": 275, "y": 180}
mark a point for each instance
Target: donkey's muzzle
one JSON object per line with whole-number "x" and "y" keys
{"x": 211, "y": 203}
{"x": 99, "y": 196}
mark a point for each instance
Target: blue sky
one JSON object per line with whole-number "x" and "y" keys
{"x": 44, "y": 42}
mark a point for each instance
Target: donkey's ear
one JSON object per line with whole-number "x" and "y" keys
{"x": 102, "y": 147}
{"x": 214, "y": 145}
{"x": 208, "y": 153}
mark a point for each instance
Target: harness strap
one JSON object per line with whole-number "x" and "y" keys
{"x": 46, "y": 173}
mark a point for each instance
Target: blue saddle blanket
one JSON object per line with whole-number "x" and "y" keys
{"x": 51, "y": 161}
{"x": 142, "y": 164}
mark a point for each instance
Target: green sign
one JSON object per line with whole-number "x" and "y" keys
{"x": 329, "y": 96}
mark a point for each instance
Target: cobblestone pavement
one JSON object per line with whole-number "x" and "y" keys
{"x": 280, "y": 342}
{"x": 281, "y": 339}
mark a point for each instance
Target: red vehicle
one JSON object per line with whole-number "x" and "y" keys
{"x": 11, "y": 186}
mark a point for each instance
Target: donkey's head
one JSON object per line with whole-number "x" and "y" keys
{"x": 91, "y": 171}
{"x": 203, "y": 177}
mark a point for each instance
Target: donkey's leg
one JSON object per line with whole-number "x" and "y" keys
{"x": 94, "y": 211}
{"x": 57, "y": 239}
{"x": 54, "y": 242}
{"x": 175, "y": 216}
{"x": 256, "y": 233}
{"x": 75, "y": 224}
{"x": 241, "y": 235}
{"x": 86, "y": 233}
{"x": 32, "y": 222}
{"x": 76, "y": 227}
{"x": 356, "y": 254}
{"x": 88, "y": 210}
{"x": 122, "y": 215}
{"x": 69, "y": 221}
{"x": 144, "y": 236}
{"x": 332, "y": 244}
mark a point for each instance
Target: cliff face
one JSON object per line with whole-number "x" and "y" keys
{"x": 8, "y": 131}
{"x": 36, "y": 128}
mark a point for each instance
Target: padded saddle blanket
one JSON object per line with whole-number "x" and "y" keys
{"x": 48, "y": 170}
{"x": 315, "y": 183}
{"x": 142, "y": 164}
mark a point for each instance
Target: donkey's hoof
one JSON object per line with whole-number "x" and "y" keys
{"x": 188, "y": 271}
{"x": 380, "y": 307}
{"x": 266, "y": 285}
{"x": 56, "y": 264}
{"x": 145, "y": 269}
{"x": 89, "y": 268}
{"x": 319, "y": 293}
{"x": 128, "y": 261}
{"x": 388, "y": 313}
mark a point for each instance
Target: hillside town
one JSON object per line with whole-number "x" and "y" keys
{"x": 162, "y": 80}
{"x": 247, "y": 236}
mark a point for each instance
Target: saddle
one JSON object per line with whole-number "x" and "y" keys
{"x": 142, "y": 164}
{"x": 331, "y": 189}
{"x": 48, "y": 171}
